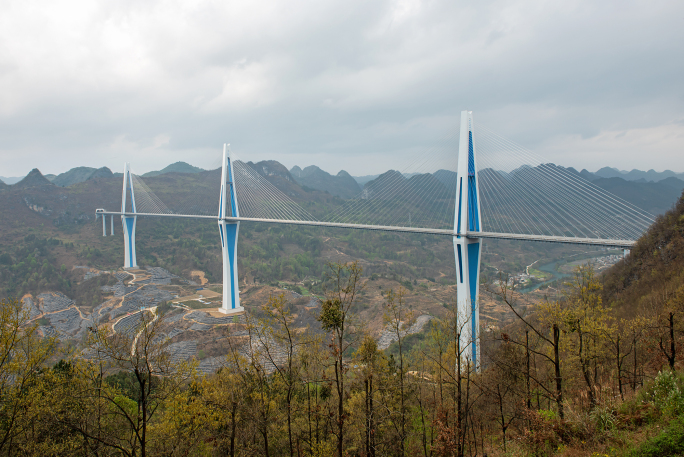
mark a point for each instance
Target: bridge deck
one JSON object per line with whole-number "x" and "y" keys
{"x": 385, "y": 228}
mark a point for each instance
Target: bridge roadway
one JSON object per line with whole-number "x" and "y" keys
{"x": 624, "y": 244}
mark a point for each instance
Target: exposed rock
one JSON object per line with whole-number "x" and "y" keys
{"x": 55, "y": 301}
{"x": 183, "y": 350}
{"x": 68, "y": 324}
{"x": 388, "y": 336}
{"x": 32, "y": 308}
{"x": 129, "y": 324}
{"x": 200, "y": 327}
{"x": 211, "y": 364}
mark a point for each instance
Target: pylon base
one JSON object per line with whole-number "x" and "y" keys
{"x": 233, "y": 311}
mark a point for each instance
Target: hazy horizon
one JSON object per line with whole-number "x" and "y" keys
{"x": 14, "y": 179}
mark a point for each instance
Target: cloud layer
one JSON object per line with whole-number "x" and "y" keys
{"x": 342, "y": 84}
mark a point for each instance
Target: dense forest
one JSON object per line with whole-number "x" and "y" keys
{"x": 593, "y": 370}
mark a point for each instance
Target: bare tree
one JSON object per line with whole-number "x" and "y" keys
{"x": 336, "y": 318}
{"x": 399, "y": 319}
{"x": 143, "y": 354}
{"x": 547, "y": 333}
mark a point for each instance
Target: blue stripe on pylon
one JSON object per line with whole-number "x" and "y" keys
{"x": 473, "y": 269}
{"x": 231, "y": 239}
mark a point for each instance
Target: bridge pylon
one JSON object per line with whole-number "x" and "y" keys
{"x": 228, "y": 207}
{"x": 128, "y": 222}
{"x": 467, "y": 251}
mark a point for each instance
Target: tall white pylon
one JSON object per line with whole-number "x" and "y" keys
{"x": 467, "y": 250}
{"x": 128, "y": 222}
{"x": 228, "y": 207}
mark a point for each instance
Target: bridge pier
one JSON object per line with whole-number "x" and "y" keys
{"x": 128, "y": 222}
{"x": 228, "y": 207}
{"x": 467, "y": 251}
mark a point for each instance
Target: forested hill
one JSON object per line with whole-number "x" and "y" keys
{"x": 654, "y": 271}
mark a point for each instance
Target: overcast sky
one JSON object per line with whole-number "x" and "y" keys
{"x": 341, "y": 84}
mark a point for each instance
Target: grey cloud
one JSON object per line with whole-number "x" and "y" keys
{"x": 339, "y": 84}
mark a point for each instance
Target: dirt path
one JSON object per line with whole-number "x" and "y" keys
{"x": 153, "y": 310}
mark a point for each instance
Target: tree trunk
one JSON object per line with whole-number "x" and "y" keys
{"x": 402, "y": 403}
{"x": 584, "y": 363}
{"x": 619, "y": 367}
{"x": 671, "y": 356}
{"x": 372, "y": 420}
{"x": 634, "y": 375}
{"x": 289, "y": 417}
{"x": 503, "y": 418}
{"x": 672, "y": 342}
{"x": 340, "y": 404}
{"x": 233, "y": 426}
{"x": 365, "y": 384}
{"x": 459, "y": 417}
{"x": 559, "y": 379}
{"x": 527, "y": 373}
{"x": 308, "y": 413}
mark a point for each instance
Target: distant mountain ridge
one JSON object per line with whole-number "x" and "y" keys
{"x": 9, "y": 180}
{"x": 653, "y": 196}
{"x": 637, "y": 175}
{"x": 342, "y": 185}
{"x": 178, "y": 167}
{"x": 34, "y": 179}
{"x": 80, "y": 174}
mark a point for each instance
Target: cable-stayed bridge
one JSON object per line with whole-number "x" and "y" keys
{"x": 489, "y": 188}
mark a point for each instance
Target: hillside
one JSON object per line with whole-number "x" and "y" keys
{"x": 655, "y": 267}
{"x": 654, "y": 197}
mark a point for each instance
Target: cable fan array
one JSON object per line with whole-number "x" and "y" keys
{"x": 421, "y": 194}
{"x": 258, "y": 198}
{"x": 190, "y": 195}
{"x": 180, "y": 193}
{"x": 523, "y": 194}
{"x": 520, "y": 193}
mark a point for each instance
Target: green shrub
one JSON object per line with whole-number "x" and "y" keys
{"x": 669, "y": 442}
{"x": 665, "y": 394}
{"x": 548, "y": 414}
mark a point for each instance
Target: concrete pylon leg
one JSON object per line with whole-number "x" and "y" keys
{"x": 468, "y": 254}
{"x": 231, "y": 288}
{"x": 228, "y": 207}
{"x": 129, "y": 241}
{"x": 128, "y": 222}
